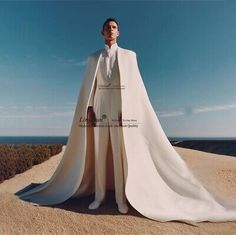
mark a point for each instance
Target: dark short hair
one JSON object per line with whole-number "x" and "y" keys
{"x": 108, "y": 20}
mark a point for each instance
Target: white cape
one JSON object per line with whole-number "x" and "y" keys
{"x": 158, "y": 183}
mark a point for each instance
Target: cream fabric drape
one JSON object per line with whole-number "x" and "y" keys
{"x": 158, "y": 183}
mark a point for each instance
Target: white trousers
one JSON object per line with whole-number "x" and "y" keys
{"x": 108, "y": 128}
{"x": 101, "y": 138}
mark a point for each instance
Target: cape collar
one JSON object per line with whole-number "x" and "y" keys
{"x": 113, "y": 46}
{"x": 98, "y": 54}
{"x": 111, "y": 50}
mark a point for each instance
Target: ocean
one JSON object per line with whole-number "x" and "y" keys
{"x": 63, "y": 139}
{"x": 33, "y": 140}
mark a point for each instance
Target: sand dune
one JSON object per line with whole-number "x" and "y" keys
{"x": 216, "y": 172}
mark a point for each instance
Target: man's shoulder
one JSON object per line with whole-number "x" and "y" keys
{"x": 127, "y": 51}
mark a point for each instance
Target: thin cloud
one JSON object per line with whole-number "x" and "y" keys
{"x": 37, "y": 116}
{"x": 70, "y": 103}
{"x": 81, "y": 63}
{"x": 36, "y": 112}
{"x": 195, "y": 110}
{"x": 73, "y": 62}
{"x": 62, "y": 114}
{"x": 171, "y": 114}
{"x": 43, "y": 107}
{"x": 14, "y": 107}
{"x": 69, "y": 62}
{"x": 39, "y": 131}
{"x": 214, "y": 108}
{"x": 29, "y": 107}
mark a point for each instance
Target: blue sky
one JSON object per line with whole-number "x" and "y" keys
{"x": 186, "y": 53}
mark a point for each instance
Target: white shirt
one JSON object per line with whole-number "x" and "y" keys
{"x": 109, "y": 57}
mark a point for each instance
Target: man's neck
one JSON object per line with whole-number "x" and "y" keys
{"x": 110, "y": 43}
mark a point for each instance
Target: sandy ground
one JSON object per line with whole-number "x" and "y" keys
{"x": 216, "y": 172}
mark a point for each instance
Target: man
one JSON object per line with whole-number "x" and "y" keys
{"x": 157, "y": 181}
{"x": 107, "y": 102}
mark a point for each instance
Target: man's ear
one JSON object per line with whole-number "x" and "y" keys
{"x": 118, "y": 33}
{"x": 102, "y": 33}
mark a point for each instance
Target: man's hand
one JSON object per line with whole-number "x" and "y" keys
{"x": 91, "y": 117}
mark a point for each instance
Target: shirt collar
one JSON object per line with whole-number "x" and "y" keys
{"x": 112, "y": 49}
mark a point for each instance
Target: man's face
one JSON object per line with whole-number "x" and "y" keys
{"x": 110, "y": 31}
